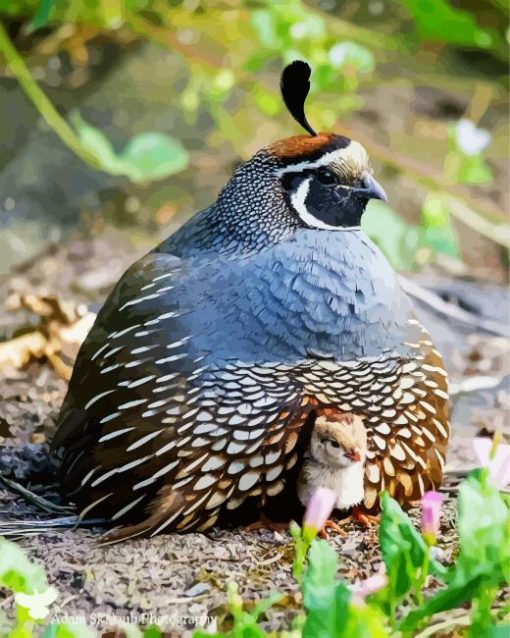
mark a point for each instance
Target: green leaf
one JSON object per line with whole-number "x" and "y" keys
{"x": 498, "y": 631}
{"x": 395, "y": 238}
{"x": 403, "y": 549}
{"x": 68, "y": 630}
{"x": 17, "y": 572}
{"x": 146, "y": 158}
{"x": 473, "y": 170}
{"x": 484, "y": 528}
{"x": 264, "y": 605}
{"x": 438, "y": 21}
{"x": 365, "y": 621}
{"x": 319, "y": 580}
{"x": 152, "y": 156}
{"x": 95, "y": 141}
{"x": 328, "y": 620}
{"x": 221, "y": 85}
{"x": 266, "y": 102}
{"x": 436, "y": 227}
{"x": 263, "y": 22}
{"x": 41, "y": 17}
{"x": 455, "y": 595}
{"x": 325, "y": 599}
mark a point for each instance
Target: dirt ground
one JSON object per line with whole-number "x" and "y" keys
{"x": 179, "y": 580}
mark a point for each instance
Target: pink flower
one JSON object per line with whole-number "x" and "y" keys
{"x": 431, "y": 515}
{"x": 369, "y": 586}
{"x": 499, "y": 464}
{"x": 319, "y": 509}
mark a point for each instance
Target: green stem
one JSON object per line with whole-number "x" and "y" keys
{"x": 301, "y": 548}
{"x": 481, "y": 615}
{"x": 420, "y": 581}
{"x": 39, "y": 99}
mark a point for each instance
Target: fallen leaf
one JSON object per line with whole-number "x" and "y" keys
{"x": 17, "y": 352}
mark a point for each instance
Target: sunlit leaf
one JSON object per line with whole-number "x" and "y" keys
{"x": 152, "y": 156}
{"x": 221, "y": 85}
{"x": 69, "y": 630}
{"x": 146, "y": 157}
{"x": 267, "y": 102}
{"x": 95, "y": 141}
{"x": 473, "y": 170}
{"x": 366, "y": 621}
{"x": 264, "y": 24}
{"x": 319, "y": 581}
{"x": 437, "y": 230}
{"x": 17, "y": 572}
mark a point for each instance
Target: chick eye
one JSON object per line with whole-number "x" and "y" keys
{"x": 331, "y": 442}
{"x": 325, "y": 176}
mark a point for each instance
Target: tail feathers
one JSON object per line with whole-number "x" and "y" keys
{"x": 125, "y": 533}
{"x": 164, "y": 511}
{"x": 37, "y": 526}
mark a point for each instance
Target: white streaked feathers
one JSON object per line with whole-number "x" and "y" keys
{"x": 117, "y": 470}
{"x": 353, "y": 153}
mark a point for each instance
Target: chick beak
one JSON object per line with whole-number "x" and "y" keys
{"x": 371, "y": 189}
{"x": 353, "y": 455}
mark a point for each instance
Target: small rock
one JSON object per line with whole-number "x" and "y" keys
{"x": 197, "y": 590}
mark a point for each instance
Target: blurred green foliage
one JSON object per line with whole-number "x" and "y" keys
{"x": 231, "y": 44}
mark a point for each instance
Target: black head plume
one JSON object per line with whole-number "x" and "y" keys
{"x": 294, "y": 85}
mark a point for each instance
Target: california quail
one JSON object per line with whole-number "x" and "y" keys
{"x": 266, "y": 309}
{"x": 335, "y": 459}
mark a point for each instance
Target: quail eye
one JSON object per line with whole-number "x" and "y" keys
{"x": 325, "y": 176}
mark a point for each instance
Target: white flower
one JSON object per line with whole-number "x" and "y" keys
{"x": 471, "y": 140}
{"x": 37, "y": 604}
{"x": 495, "y": 457}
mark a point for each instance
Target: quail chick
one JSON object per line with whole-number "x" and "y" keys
{"x": 336, "y": 459}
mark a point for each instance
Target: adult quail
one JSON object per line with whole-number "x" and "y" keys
{"x": 264, "y": 311}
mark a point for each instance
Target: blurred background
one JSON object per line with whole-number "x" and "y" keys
{"x": 127, "y": 116}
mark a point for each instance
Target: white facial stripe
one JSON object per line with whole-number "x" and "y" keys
{"x": 298, "y": 201}
{"x": 353, "y": 153}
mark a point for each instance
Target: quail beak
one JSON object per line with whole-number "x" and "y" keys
{"x": 353, "y": 455}
{"x": 371, "y": 189}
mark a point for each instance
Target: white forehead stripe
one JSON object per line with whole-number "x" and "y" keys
{"x": 298, "y": 200}
{"x": 353, "y": 153}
